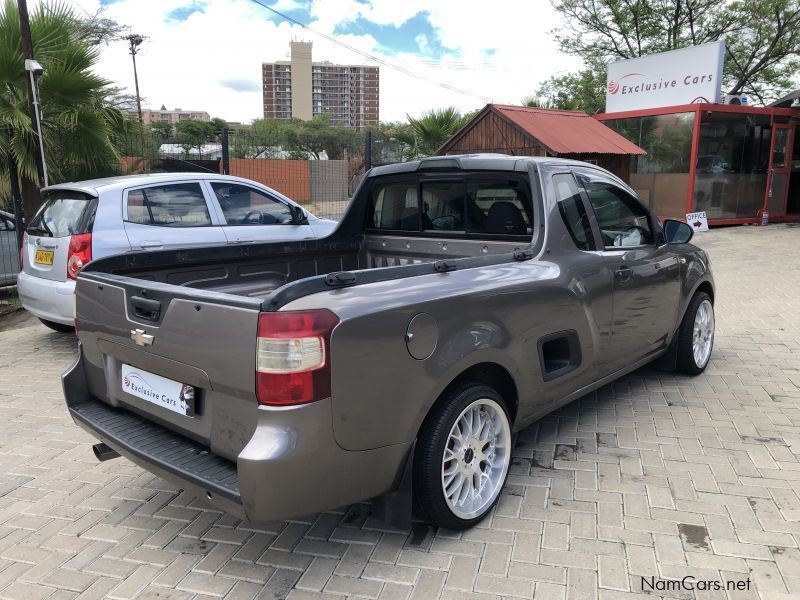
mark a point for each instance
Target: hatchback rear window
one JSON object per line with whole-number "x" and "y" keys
{"x": 62, "y": 214}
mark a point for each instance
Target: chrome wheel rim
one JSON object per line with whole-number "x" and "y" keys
{"x": 703, "y": 333}
{"x": 476, "y": 458}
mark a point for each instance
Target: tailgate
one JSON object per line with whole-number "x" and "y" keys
{"x": 180, "y": 357}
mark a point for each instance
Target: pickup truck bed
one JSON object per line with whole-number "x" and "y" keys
{"x": 397, "y": 325}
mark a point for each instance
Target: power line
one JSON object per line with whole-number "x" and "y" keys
{"x": 372, "y": 57}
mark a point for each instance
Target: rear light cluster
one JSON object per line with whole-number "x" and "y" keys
{"x": 80, "y": 253}
{"x": 293, "y": 356}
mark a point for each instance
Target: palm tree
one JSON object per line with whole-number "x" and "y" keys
{"x": 435, "y": 127}
{"x": 80, "y": 123}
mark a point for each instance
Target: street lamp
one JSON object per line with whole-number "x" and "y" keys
{"x": 35, "y": 71}
{"x": 135, "y": 40}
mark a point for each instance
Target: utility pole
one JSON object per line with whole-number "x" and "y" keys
{"x": 135, "y": 40}
{"x": 27, "y": 53}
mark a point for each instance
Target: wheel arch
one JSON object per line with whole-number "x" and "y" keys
{"x": 487, "y": 373}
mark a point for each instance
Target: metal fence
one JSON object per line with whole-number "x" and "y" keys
{"x": 9, "y": 259}
{"x": 320, "y": 169}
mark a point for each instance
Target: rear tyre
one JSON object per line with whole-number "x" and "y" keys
{"x": 696, "y": 335}
{"x": 462, "y": 457}
{"x": 58, "y": 326}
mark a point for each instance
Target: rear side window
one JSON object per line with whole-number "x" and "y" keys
{"x": 572, "y": 211}
{"x": 63, "y": 213}
{"x": 174, "y": 205}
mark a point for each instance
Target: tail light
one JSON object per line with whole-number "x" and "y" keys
{"x": 80, "y": 253}
{"x": 293, "y": 356}
{"x": 22, "y": 251}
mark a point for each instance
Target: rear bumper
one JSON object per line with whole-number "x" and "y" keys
{"x": 46, "y": 299}
{"x": 291, "y": 466}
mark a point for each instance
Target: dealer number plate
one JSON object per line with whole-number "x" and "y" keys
{"x": 169, "y": 394}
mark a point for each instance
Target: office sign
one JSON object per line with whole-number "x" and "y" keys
{"x": 697, "y": 220}
{"x": 682, "y": 76}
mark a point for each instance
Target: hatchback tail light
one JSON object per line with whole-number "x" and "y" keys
{"x": 293, "y": 356}
{"x": 80, "y": 253}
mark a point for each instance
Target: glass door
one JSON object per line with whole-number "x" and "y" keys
{"x": 780, "y": 168}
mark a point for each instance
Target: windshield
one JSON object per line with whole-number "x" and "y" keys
{"x": 63, "y": 213}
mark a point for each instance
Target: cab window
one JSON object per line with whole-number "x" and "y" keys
{"x": 470, "y": 207}
{"x": 572, "y": 211}
{"x": 622, "y": 219}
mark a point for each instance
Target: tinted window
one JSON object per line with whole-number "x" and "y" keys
{"x": 502, "y": 208}
{"x": 243, "y": 205}
{"x": 572, "y": 211}
{"x": 622, "y": 220}
{"x": 395, "y": 206}
{"x": 443, "y": 206}
{"x": 62, "y": 214}
{"x": 175, "y": 205}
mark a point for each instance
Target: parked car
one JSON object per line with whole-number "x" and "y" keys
{"x": 460, "y": 299}
{"x": 9, "y": 253}
{"x": 81, "y": 221}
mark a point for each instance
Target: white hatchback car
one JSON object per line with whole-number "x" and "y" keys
{"x": 91, "y": 219}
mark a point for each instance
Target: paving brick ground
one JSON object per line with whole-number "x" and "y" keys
{"x": 655, "y": 476}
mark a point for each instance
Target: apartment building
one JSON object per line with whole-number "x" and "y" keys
{"x": 163, "y": 115}
{"x": 301, "y": 88}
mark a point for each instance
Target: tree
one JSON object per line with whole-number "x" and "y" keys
{"x": 311, "y": 138}
{"x": 427, "y": 133}
{"x": 79, "y": 120}
{"x": 762, "y": 41}
{"x": 161, "y": 130}
{"x": 584, "y": 90}
{"x": 193, "y": 133}
{"x": 219, "y": 125}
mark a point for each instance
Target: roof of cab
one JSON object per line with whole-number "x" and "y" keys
{"x": 477, "y": 162}
{"x": 94, "y": 186}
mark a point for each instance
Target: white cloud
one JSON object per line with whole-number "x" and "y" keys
{"x": 191, "y": 64}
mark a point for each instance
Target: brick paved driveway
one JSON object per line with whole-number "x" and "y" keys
{"x": 655, "y": 475}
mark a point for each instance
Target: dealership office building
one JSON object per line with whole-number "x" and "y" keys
{"x": 704, "y": 153}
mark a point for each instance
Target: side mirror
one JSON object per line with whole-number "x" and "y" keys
{"x": 677, "y": 232}
{"x": 299, "y": 216}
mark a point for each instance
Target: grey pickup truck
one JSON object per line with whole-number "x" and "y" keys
{"x": 460, "y": 299}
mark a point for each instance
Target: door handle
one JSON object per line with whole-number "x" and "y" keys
{"x": 623, "y": 273}
{"x": 151, "y": 244}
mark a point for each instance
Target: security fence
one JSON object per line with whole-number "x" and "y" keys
{"x": 317, "y": 167}
{"x": 9, "y": 260}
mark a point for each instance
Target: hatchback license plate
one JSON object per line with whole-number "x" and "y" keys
{"x": 43, "y": 257}
{"x": 169, "y": 394}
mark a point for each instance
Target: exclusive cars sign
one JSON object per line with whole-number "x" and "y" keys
{"x": 682, "y": 76}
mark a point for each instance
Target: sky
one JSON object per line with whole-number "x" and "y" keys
{"x": 207, "y": 54}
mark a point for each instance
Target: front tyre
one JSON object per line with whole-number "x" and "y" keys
{"x": 696, "y": 335}
{"x": 462, "y": 457}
